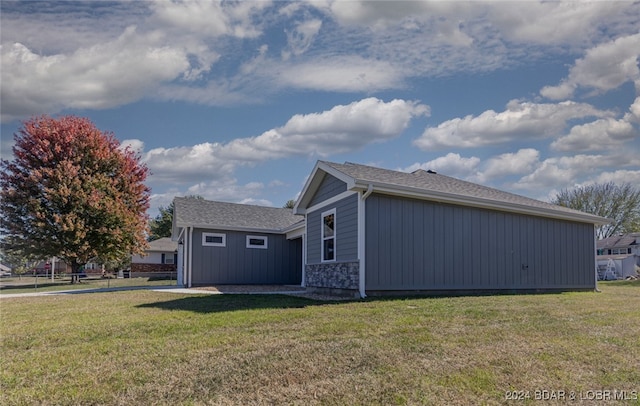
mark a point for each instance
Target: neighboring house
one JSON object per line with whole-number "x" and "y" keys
{"x": 228, "y": 243}
{"x": 5, "y": 270}
{"x": 59, "y": 266}
{"x": 618, "y": 256}
{"x": 368, "y": 230}
{"x": 161, "y": 256}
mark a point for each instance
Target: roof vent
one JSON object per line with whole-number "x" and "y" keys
{"x": 433, "y": 172}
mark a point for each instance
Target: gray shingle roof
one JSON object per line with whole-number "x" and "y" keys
{"x": 619, "y": 241}
{"x": 427, "y": 182}
{"x": 223, "y": 215}
{"x": 162, "y": 245}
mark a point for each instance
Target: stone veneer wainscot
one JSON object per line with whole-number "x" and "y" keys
{"x": 333, "y": 275}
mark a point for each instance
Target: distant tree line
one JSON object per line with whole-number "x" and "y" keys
{"x": 620, "y": 203}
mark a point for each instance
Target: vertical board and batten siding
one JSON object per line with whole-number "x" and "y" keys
{"x": 346, "y": 244}
{"x": 329, "y": 187}
{"x": 280, "y": 263}
{"x": 422, "y": 245}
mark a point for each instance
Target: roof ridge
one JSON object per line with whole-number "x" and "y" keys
{"x": 231, "y": 203}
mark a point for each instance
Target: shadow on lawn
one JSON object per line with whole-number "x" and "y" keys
{"x": 229, "y": 303}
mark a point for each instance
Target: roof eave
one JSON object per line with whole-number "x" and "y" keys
{"x": 232, "y": 228}
{"x": 295, "y": 226}
{"x": 314, "y": 181}
{"x": 478, "y": 202}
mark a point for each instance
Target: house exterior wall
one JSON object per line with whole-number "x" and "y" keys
{"x": 280, "y": 263}
{"x": 422, "y": 245}
{"x": 151, "y": 258}
{"x": 346, "y": 230}
{"x": 343, "y": 272}
{"x": 330, "y": 187}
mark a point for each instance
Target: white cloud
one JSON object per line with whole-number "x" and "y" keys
{"x": 299, "y": 39}
{"x": 521, "y": 120}
{"x": 51, "y": 28}
{"x": 598, "y": 135}
{"x": 517, "y": 22}
{"x": 536, "y": 177}
{"x": 72, "y": 59}
{"x": 568, "y": 171}
{"x": 340, "y": 74}
{"x": 344, "y": 128}
{"x": 475, "y": 170}
{"x": 450, "y": 165}
{"x": 603, "y": 68}
{"x": 133, "y": 144}
{"x": 634, "y": 111}
{"x": 180, "y": 164}
{"x": 102, "y": 76}
{"x": 555, "y": 22}
{"x": 522, "y": 161}
{"x": 224, "y": 189}
{"x": 619, "y": 177}
{"x": 211, "y": 18}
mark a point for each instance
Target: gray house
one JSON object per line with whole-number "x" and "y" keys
{"x": 367, "y": 230}
{"x": 372, "y": 230}
{"x": 229, "y": 243}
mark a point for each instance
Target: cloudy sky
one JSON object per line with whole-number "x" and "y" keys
{"x": 236, "y": 101}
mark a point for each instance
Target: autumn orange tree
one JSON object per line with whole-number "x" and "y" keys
{"x": 73, "y": 192}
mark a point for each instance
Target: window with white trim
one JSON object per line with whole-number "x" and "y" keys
{"x": 257, "y": 241}
{"x": 328, "y": 234}
{"x": 214, "y": 240}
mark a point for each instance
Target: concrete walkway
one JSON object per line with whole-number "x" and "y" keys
{"x": 231, "y": 290}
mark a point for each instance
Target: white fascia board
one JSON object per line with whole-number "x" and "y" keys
{"x": 313, "y": 181}
{"x": 227, "y": 228}
{"x": 175, "y": 235}
{"x": 295, "y": 226}
{"x": 483, "y": 203}
{"x": 351, "y": 182}
{"x": 296, "y": 233}
{"x": 330, "y": 201}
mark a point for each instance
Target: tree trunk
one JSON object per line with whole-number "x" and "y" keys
{"x": 75, "y": 269}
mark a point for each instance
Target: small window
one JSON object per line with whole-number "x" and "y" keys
{"x": 168, "y": 259}
{"x": 328, "y": 230}
{"x": 214, "y": 240}
{"x": 257, "y": 241}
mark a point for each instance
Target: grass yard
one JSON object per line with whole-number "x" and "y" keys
{"x": 31, "y": 284}
{"x": 147, "y": 348}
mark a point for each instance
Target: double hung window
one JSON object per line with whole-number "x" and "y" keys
{"x": 328, "y": 227}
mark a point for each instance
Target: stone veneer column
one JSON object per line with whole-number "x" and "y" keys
{"x": 333, "y": 275}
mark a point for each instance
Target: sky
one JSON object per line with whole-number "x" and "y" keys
{"x": 236, "y": 101}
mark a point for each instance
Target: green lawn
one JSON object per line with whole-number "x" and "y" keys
{"x": 147, "y": 348}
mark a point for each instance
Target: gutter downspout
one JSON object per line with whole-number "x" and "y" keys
{"x": 180, "y": 265}
{"x": 303, "y": 280}
{"x": 189, "y": 267}
{"x": 361, "y": 241}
